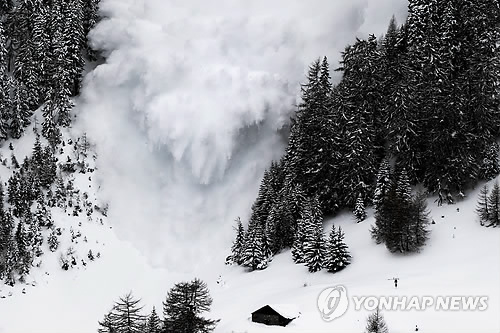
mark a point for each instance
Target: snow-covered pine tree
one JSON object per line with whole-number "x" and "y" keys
{"x": 482, "y": 208}
{"x": 302, "y": 233}
{"x": 6, "y": 239}
{"x": 153, "y": 323}
{"x": 27, "y": 70}
{"x": 397, "y": 217}
{"x": 403, "y": 187}
{"x": 490, "y": 164}
{"x": 376, "y": 323}
{"x": 359, "y": 209}
{"x": 271, "y": 240}
{"x": 314, "y": 243}
{"x": 356, "y": 106}
{"x": 20, "y": 112}
{"x": 263, "y": 203}
{"x": 314, "y": 251}
{"x": 5, "y": 86}
{"x": 298, "y": 243}
{"x": 73, "y": 42}
{"x": 419, "y": 232}
{"x": 11, "y": 263}
{"x": 25, "y": 254}
{"x": 309, "y": 157}
{"x": 53, "y": 241}
{"x": 239, "y": 243}
{"x": 254, "y": 253}
{"x": 281, "y": 224}
{"x": 48, "y": 170}
{"x": 337, "y": 253}
{"x": 383, "y": 184}
{"x": 494, "y": 204}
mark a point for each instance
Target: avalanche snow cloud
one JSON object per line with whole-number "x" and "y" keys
{"x": 187, "y": 108}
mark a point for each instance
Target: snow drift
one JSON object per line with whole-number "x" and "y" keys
{"x": 187, "y": 109}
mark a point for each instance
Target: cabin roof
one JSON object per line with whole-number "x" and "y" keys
{"x": 288, "y": 311}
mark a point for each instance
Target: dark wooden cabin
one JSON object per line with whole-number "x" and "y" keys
{"x": 272, "y": 315}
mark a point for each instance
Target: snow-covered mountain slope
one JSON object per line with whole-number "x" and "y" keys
{"x": 461, "y": 259}
{"x": 185, "y": 116}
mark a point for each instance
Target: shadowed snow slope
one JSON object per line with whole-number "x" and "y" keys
{"x": 186, "y": 111}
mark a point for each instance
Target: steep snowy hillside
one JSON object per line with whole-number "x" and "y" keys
{"x": 190, "y": 107}
{"x": 462, "y": 259}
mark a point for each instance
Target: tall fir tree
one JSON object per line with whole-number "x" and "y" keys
{"x": 255, "y": 253}
{"x": 153, "y": 323}
{"x": 376, "y": 323}
{"x": 359, "y": 209}
{"x": 314, "y": 243}
{"x": 356, "y": 105}
{"x": 383, "y": 184}
{"x": 337, "y": 253}
{"x": 239, "y": 243}
{"x": 494, "y": 203}
{"x": 483, "y": 208}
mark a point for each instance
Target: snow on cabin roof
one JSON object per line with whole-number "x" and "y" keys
{"x": 289, "y": 311}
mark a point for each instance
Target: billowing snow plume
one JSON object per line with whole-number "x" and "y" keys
{"x": 186, "y": 111}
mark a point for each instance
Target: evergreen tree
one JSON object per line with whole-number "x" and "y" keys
{"x": 314, "y": 243}
{"x": 337, "y": 254}
{"x": 5, "y": 85}
{"x": 310, "y": 157}
{"x": 254, "y": 253}
{"x": 298, "y": 244}
{"x": 376, "y": 323}
{"x": 359, "y": 210}
{"x": 281, "y": 225}
{"x": 483, "y": 206}
{"x": 72, "y": 43}
{"x": 48, "y": 170}
{"x": 490, "y": 164}
{"x": 154, "y": 323}
{"x": 126, "y": 317}
{"x": 314, "y": 251}
{"x": 11, "y": 263}
{"x": 494, "y": 204}
{"x": 239, "y": 243}
{"x": 20, "y": 112}
{"x": 185, "y": 302}
{"x": 53, "y": 241}
{"x": 419, "y": 232}
{"x": 6, "y": 240}
{"x": 23, "y": 243}
{"x": 383, "y": 184}
{"x": 49, "y": 127}
{"x": 357, "y": 104}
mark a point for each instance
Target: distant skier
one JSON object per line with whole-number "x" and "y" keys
{"x": 416, "y": 328}
{"x": 395, "y": 282}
